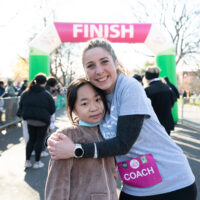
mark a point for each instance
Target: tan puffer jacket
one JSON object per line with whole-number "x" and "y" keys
{"x": 82, "y": 179}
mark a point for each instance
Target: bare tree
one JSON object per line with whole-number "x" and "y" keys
{"x": 21, "y": 69}
{"x": 180, "y": 19}
{"x": 65, "y": 64}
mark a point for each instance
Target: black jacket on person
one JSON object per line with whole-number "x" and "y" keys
{"x": 175, "y": 91}
{"x": 162, "y": 101}
{"x": 21, "y": 90}
{"x": 2, "y": 91}
{"x": 36, "y": 104}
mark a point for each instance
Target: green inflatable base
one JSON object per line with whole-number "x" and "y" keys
{"x": 167, "y": 64}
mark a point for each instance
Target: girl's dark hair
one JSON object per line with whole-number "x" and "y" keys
{"x": 39, "y": 79}
{"x": 72, "y": 91}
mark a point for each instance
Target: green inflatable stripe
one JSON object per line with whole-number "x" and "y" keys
{"x": 170, "y": 51}
{"x": 167, "y": 64}
{"x": 38, "y": 64}
{"x": 34, "y": 51}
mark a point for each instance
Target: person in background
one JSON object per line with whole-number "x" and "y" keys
{"x": 2, "y": 93}
{"x": 51, "y": 87}
{"x": 132, "y": 134}
{"x": 138, "y": 77}
{"x": 1, "y": 109}
{"x": 2, "y": 89}
{"x": 176, "y": 93}
{"x": 36, "y": 107}
{"x": 184, "y": 94}
{"x": 10, "y": 89}
{"x": 161, "y": 96}
{"x": 22, "y": 88}
{"x": 75, "y": 179}
{"x": 24, "y": 123}
{"x": 18, "y": 86}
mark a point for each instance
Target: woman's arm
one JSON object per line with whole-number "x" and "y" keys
{"x": 128, "y": 129}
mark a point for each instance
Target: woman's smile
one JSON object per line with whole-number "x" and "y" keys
{"x": 100, "y": 68}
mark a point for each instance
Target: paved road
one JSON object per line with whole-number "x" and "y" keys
{"x": 15, "y": 183}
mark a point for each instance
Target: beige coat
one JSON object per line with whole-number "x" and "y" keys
{"x": 81, "y": 179}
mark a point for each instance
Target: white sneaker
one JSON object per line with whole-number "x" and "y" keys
{"x": 28, "y": 164}
{"x": 38, "y": 165}
{"x": 44, "y": 154}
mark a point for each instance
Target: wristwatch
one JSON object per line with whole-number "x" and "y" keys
{"x": 78, "y": 151}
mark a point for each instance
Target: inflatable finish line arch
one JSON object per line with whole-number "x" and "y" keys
{"x": 153, "y": 36}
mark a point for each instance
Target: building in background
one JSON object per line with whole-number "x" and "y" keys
{"x": 189, "y": 81}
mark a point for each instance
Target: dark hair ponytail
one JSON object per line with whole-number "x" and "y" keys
{"x": 39, "y": 79}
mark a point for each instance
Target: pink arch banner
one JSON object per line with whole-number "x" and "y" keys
{"x": 152, "y": 35}
{"x": 122, "y": 33}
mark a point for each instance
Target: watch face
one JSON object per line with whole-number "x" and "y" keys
{"x": 78, "y": 152}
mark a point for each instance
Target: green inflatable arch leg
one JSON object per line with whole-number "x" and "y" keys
{"x": 167, "y": 64}
{"x": 38, "y": 63}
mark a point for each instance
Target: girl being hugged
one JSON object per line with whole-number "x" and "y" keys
{"x": 76, "y": 178}
{"x": 151, "y": 165}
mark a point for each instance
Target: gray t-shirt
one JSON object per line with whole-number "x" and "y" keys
{"x": 129, "y": 98}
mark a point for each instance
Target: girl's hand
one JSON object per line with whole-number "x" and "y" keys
{"x": 60, "y": 146}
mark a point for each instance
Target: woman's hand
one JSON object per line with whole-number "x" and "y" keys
{"x": 60, "y": 146}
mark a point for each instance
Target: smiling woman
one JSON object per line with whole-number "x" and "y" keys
{"x": 95, "y": 63}
{"x": 130, "y": 130}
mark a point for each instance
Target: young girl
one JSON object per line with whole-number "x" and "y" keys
{"x": 152, "y": 166}
{"x": 76, "y": 179}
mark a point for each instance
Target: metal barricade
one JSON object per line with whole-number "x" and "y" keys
{"x": 189, "y": 111}
{"x": 8, "y": 110}
{"x": 9, "y": 107}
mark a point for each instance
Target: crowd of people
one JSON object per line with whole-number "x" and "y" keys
{"x": 8, "y": 102}
{"x": 11, "y": 91}
{"x": 34, "y": 131}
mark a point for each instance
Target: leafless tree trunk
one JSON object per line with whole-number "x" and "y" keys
{"x": 64, "y": 63}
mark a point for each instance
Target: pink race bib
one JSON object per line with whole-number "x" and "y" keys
{"x": 140, "y": 172}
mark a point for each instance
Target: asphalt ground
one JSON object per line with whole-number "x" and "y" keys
{"x": 18, "y": 184}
